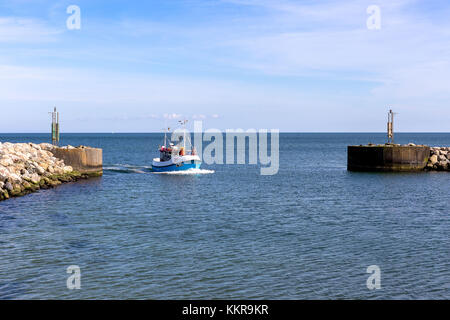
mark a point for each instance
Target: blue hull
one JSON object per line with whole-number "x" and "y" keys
{"x": 174, "y": 167}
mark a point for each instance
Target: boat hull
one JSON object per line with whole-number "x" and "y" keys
{"x": 177, "y": 167}
{"x": 182, "y": 163}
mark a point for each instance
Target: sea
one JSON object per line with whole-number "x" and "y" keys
{"x": 312, "y": 231}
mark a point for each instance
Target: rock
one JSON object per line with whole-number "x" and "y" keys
{"x": 17, "y": 190}
{"x": 68, "y": 169}
{"x": 54, "y": 183}
{"x": 26, "y": 185}
{"x": 411, "y": 144}
{"x": 434, "y": 159}
{"x": 26, "y": 176}
{"x": 14, "y": 177}
{"x": 9, "y": 186}
{"x": 5, "y": 195}
{"x": 6, "y": 162}
{"x": 40, "y": 170}
{"x": 35, "y": 178}
{"x": 43, "y": 165}
{"x": 46, "y": 146}
{"x": 443, "y": 165}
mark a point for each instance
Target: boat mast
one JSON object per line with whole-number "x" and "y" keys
{"x": 165, "y": 134}
{"x": 166, "y": 130}
{"x": 183, "y": 123}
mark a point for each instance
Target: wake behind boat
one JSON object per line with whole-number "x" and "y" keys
{"x": 176, "y": 157}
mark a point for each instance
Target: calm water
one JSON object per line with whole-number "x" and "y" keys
{"x": 308, "y": 232}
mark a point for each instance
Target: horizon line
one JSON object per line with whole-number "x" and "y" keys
{"x": 223, "y": 131}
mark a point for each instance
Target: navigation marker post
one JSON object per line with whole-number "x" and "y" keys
{"x": 55, "y": 127}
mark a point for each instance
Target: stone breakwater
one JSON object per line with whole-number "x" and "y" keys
{"x": 439, "y": 159}
{"x": 28, "y": 167}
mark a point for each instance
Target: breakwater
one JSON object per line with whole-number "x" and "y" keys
{"x": 388, "y": 157}
{"x": 439, "y": 159}
{"x": 28, "y": 167}
{"x": 395, "y": 157}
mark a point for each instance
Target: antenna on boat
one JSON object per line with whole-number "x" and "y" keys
{"x": 183, "y": 123}
{"x": 165, "y": 129}
{"x": 165, "y": 136}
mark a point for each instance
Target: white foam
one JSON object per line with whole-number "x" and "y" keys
{"x": 125, "y": 169}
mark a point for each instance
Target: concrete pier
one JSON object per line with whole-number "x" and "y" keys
{"x": 85, "y": 160}
{"x": 387, "y": 157}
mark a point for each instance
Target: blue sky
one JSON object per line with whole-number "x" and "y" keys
{"x": 298, "y": 66}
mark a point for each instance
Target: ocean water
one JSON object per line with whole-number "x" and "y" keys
{"x": 308, "y": 232}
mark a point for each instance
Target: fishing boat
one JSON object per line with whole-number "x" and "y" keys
{"x": 176, "y": 157}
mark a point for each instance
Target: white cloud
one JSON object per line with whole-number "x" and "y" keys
{"x": 21, "y": 30}
{"x": 172, "y": 116}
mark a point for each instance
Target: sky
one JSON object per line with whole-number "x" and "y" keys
{"x": 296, "y": 66}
